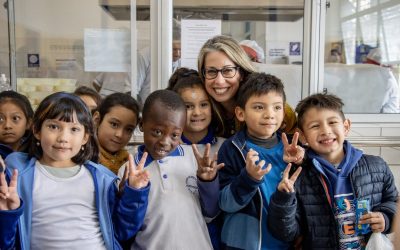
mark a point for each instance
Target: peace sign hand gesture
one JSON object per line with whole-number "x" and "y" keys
{"x": 207, "y": 169}
{"x": 256, "y": 171}
{"x": 9, "y": 198}
{"x": 287, "y": 184}
{"x": 292, "y": 152}
{"x": 136, "y": 175}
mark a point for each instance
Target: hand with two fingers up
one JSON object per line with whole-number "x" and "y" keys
{"x": 9, "y": 198}
{"x": 207, "y": 167}
{"x": 136, "y": 176}
{"x": 287, "y": 183}
{"x": 292, "y": 152}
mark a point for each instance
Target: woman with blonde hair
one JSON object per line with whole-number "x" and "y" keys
{"x": 223, "y": 67}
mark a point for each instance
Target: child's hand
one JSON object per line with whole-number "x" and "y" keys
{"x": 206, "y": 168}
{"x": 137, "y": 177}
{"x": 9, "y": 198}
{"x": 375, "y": 220}
{"x": 256, "y": 171}
{"x": 292, "y": 152}
{"x": 287, "y": 184}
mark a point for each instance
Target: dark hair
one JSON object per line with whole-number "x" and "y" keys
{"x": 259, "y": 84}
{"x": 63, "y": 106}
{"x": 167, "y": 98}
{"x": 83, "y": 90}
{"x": 118, "y": 99}
{"x": 20, "y": 100}
{"x": 184, "y": 78}
{"x": 318, "y": 101}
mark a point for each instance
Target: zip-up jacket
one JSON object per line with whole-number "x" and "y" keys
{"x": 307, "y": 213}
{"x": 240, "y": 197}
{"x": 119, "y": 217}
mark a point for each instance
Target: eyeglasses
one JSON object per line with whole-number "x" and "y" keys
{"x": 226, "y": 72}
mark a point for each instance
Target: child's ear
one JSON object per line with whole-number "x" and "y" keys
{"x": 36, "y": 134}
{"x": 85, "y": 139}
{"x": 302, "y": 138}
{"x": 347, "y": 125}
{"x": 141, "y": 125}
{"x": 239, "y": 112}
{"x": 96, "y": 118}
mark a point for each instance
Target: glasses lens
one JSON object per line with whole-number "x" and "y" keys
{"x": 228, "y": 72}
{"x": 211, "y": 73}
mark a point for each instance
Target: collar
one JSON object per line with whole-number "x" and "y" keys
{"x": 177, "y": 152}
{"x": 209, "y": 138}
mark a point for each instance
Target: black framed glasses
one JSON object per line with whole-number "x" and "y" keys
{"x": 226, "y": 72}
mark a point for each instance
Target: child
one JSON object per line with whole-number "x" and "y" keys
{"x": 181, "y": 189}
{"x": 116, "y": 119}
{"x": 200, "y": 123}
{"x": 245, "y": 192}
{"x": 57, "y": 198}
{"x": 200, "y": 120}
{"x": 320, "y": 206}
{"x": 89, "y": 96}
{"x": 15, "y": 119}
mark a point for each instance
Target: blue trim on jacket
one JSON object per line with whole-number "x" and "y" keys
{"x": 240, "y": 196}
{"x": 119, "y": 218}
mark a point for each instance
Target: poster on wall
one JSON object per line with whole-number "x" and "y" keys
{"x": 194, "y": 33}
{"x": 107, "y": 50}
{"x": 283, "y": 52}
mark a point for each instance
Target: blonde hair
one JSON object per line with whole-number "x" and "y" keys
{"x": 232, "y": 49}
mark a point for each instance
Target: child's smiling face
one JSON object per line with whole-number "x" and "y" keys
{"x": 162, "y": 130}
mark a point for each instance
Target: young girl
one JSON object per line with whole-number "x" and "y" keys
{"x": 15, "y": 119}
{"x": 57, "y": 198}
{"x": 116, "y": 119}
{"x": 200, "y": 123}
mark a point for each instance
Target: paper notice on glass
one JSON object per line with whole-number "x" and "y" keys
{"x": 107, "y": 50}
{"x": 194, "y": 33}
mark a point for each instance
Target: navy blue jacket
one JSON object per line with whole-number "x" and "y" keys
{"x": 307, "y": 213}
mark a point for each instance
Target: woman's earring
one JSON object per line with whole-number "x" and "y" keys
{"x": 38, "y": 143}
{"x": 83, "y": 148}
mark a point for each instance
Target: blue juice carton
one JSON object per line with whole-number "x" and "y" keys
{"x": 362, "y": 207}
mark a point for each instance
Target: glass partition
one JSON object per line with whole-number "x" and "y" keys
{"x": 362, "y": 55}
{"x": 4, "y": 45}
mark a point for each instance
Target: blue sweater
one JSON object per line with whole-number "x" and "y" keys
{"x": 119, "y": 218}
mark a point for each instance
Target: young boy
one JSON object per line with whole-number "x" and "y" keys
{"x": 245, "y": 192}
{"x": 337, "y": 179}
{"x": 183, "y": 184}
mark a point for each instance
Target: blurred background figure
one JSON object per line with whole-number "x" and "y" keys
{"x": 176, "y": 55}
{"x": 335, "y": 56}
{"x": 253, "y": 50}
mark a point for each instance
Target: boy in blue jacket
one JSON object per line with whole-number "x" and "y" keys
{"x": 319, "y": 205}
{"x": 245, "y": 187}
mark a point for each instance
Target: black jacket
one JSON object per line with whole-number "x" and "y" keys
{"x": 308, "y": 213}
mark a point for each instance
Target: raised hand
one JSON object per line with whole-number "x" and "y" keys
{"x": 287, "y": 184}
{"x": 256, "y": 171}
{"x": 292, "y": 152}
{"x": 375, "y": 220}
{"x": 136, "y": 176}
{"x": 206, "y": 168}
{"x": 9, "y": 198}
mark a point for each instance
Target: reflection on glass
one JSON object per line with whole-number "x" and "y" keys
{"x": 366, "y": 38}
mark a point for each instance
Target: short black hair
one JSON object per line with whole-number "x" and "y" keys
{"x": 63, "y": 106}
{"x": 168, "y": 100}
{"x": 319, "y": 101}
{"x": 118, "y": 99}
{"x": 259, "y": 84}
